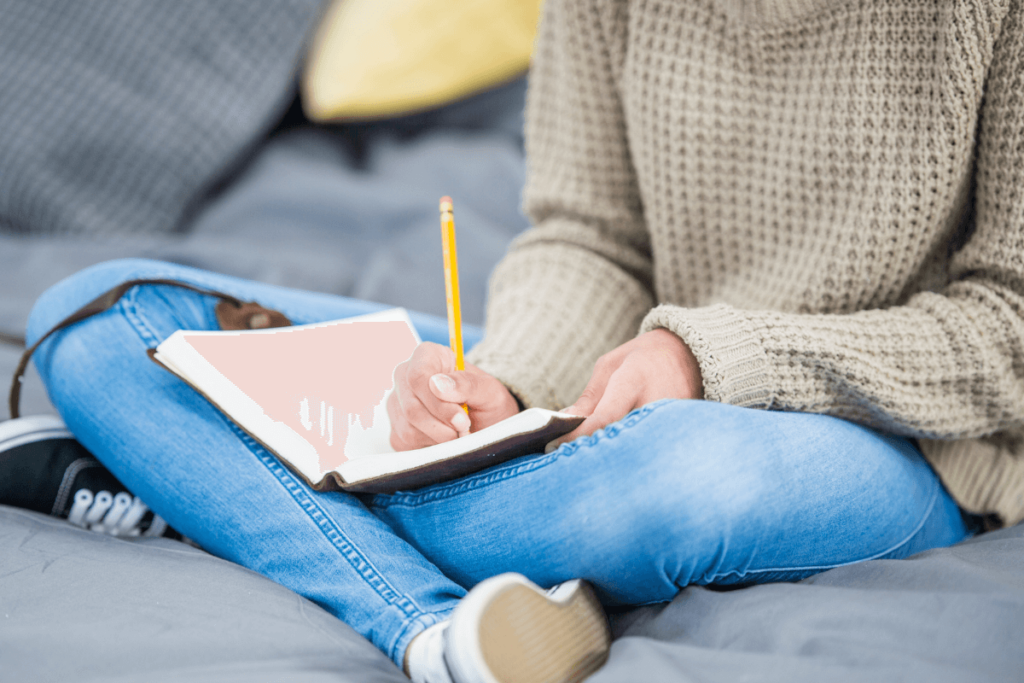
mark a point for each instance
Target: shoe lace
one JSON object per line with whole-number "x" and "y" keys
{"x": 117, "y": 515}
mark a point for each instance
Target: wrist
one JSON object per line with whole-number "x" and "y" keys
{"x": 727, "y": 347}
{"x": 520, "y": 406}
{"x": 688, "y": 365}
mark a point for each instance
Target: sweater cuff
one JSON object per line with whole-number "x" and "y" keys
{"x": 728, "y": 348}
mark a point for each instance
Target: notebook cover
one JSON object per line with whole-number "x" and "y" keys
{"x": 425, "y": 475}
{"x": 459, "y": 465}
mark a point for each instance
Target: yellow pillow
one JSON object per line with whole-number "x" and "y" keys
{"x": 380, "y": 58}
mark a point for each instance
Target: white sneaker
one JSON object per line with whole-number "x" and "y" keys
{"x": 508, "y": 630}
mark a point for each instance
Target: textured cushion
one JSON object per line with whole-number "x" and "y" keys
{"x": 118, "y": 116}
{"x": 380, "y": 58}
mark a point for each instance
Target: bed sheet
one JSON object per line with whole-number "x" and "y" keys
{"x": 76, "y": 605}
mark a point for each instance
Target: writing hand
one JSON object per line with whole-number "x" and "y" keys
{"x": 653, "y": 366}
{"x": 426, "y": 405}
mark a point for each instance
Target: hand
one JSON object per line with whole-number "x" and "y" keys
{"x": 426, "y": 405}
{"x": 653, "y": 366}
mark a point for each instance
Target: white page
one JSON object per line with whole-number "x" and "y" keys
{"x": 177, "y": 354}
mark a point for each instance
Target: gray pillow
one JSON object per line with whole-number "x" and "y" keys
{"x": 117, "y": 116}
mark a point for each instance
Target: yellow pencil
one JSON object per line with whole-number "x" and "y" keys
{"x": 451, "y": 285}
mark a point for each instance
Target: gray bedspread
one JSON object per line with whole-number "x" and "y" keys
{"x": 80, "y": 606}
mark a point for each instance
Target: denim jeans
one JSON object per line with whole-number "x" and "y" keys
{"x": 675, "y": 493}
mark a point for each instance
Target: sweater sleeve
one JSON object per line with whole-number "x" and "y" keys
{"x": 947, "y": 364}
{"x": 577, "y": 284}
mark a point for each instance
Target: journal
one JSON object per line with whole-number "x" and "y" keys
{"x": 315, "y": 396}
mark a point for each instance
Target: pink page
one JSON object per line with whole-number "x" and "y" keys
{"x": 314, "y": 379}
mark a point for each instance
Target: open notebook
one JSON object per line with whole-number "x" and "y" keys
{"x": 315, "y": 395}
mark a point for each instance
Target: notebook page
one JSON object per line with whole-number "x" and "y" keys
{"x": 315, "y": 394}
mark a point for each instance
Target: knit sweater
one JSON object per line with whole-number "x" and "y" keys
{"x": 823, "y": 199}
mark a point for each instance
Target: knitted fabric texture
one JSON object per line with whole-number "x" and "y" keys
{"x": 824, "y": 200}
{"x": 117, "y": 117}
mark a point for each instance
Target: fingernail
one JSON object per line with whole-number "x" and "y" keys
{"x": 443, "y": 383}
{"x": 460, "y": 422}
{"x": 568, "y": 410}
{"x": 551, "y": 447}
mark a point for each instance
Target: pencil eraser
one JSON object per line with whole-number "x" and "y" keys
{"x": 446, "y": 203}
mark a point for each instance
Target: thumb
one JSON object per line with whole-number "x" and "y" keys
{"x": 592, "y": 394}
{"x": 454, "y": 387}
{"x": 590, "y": 397}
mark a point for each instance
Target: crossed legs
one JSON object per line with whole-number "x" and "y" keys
{"x": 678, "y": 492}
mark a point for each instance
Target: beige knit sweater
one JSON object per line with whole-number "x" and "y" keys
{"x": 824, "y": 200}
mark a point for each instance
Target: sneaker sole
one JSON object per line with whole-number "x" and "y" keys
{"x": 527, "y": 636}
{"x": 25, "y": 430}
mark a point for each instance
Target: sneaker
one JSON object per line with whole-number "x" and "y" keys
{"x": 508, "y": 630}
{"x": 43, "y": 468}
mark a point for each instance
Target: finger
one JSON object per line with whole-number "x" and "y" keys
{"x": 488, "y": 400}
{"x": 620, "y": 397}
{"x": 398, "y": 377}
{"x": 420, "y": 380}
{"x": 419, "y": 418}
{"x": 414, "y": 390}
{"x": 613, "y": 407}
{"x": 603, "y": 370}
{"x": 418, "y": 426}
{"x": 405, "y": 435}
{"x": 461, "y": 387}
{"x": 457, "y": 391}
{"x": 397, "y": 437}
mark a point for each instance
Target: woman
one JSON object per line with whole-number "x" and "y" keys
{"x": 812, "y": 212}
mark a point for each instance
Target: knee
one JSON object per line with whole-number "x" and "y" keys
{"x": 685, "y": 476}
{"x": 670, "y": 510}
{"x": 73, "y": 292}
{"x": 642, "y": 548}
{"x": 690, "y": 459}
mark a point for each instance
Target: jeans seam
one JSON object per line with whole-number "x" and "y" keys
{"x": 421, "y": 622}
{"x": 133, "y": 314}
{"x": 820, "y": 568}
{"x": 337, "y": 538}
{"x": 362, "y": 566}
{"x": 503, "y": 472}
{"x": 192, "y": 279}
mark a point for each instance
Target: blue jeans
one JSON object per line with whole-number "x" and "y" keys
{"x": 678, "y": 492}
